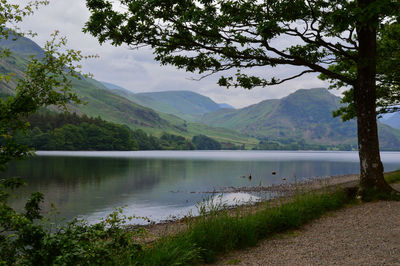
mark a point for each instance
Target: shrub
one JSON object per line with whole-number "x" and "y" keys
{"x": 26, "y": 239}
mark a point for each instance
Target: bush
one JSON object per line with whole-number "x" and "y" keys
{"x": 26, "y": 239}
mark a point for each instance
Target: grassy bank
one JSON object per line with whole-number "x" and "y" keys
{"x": 220, "y": 231}
{"x": 392, "y": 177}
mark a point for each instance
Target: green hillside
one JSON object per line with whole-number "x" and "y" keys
{"x": 305, "y": 115}
{"x": 22, "y": 46}
{"x": 113, "y": 87}
{"x": 99, "y": 101}
{"x": 13, "y": 64}
{"x": 187, "y": 105}
{"x": 148, "y": 102}
{"x": 64, "y": 131}
{"x": 240, "y": 119}
{"x": 103, "y": 102}
{"x": 186, "y": 102}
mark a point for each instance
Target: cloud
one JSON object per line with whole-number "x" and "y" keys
{"x": 136, "y": 70}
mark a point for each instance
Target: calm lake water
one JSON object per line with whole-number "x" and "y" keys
{"x": 164, "y": 184}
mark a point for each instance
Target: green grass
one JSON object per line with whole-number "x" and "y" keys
{"x": 220, "y": 231}
{"x": 373, "y": 194}
{"x": 393, "y": 177}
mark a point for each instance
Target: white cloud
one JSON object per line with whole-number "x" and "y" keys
{"x": 137, "y": 71}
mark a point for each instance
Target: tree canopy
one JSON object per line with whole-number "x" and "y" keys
{"x": 211, "y": 36}
{"x": 350, "y": 43}
{"x": 46, "y": 81}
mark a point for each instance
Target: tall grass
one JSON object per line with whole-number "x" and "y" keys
{"x": 393, "y": 177}
{"x": 221, "y": 231}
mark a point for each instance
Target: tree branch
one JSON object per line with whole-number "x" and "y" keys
{"x": 292, "y": 77}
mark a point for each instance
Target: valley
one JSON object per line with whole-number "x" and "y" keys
{"x": 302, "y": 120}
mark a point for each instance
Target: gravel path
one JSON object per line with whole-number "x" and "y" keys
{"x": 365, "y": 234}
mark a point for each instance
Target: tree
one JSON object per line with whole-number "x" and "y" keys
{"x": 46, "y": 81}
{"x": 203, "y": 142}
{"x": 337, "y": 39}
{"x": 24, "y": 240}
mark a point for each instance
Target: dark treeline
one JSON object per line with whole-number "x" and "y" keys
{"x": 291, "y": 144}
{"x": 205, "y": 143}
{"x": 66, "y": 131}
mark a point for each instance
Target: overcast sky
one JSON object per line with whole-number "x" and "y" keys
{"x": 136, "y": 70}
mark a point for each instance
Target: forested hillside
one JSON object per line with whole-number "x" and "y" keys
{"x": 51, "y": 131}
{"x": 103, "y": 102}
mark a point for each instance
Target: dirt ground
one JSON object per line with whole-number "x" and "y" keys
{"x": 365, "y": 234}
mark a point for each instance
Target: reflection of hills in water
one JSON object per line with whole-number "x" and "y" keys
{"x": 84, "y": 185}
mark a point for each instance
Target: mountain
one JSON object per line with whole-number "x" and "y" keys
{"x": 187, "y": 105}
{"x": 186, "y": 102}
{"x": 113, "y": 87}
{"x": 22, "y": 46}
{"x": 100, "y": 101}
{"x": 392, "y": 120}
{"x": 304, "y": 115}
{"x": 143, "y": 100}
{"x": 116, "y": 107}
{"x": 226, "y": 106}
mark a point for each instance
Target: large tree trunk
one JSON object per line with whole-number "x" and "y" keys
{"x": 371, "y": 168}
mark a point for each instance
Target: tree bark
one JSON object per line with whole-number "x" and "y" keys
{"x": 371, "y": 167}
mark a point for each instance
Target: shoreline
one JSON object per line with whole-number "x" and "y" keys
{"x": 309, "y": 183}
{"x": 285, "y": 191}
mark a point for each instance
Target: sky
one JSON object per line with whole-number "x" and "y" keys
{"x": 137, "y": 71}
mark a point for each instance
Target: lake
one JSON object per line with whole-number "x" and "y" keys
{"x": 166, "y": 184}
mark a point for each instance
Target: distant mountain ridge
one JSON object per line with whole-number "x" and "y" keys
{"x": 113, "y": 87}
{"x": 303, "y": 115}
{"x": 187, "y": 105}
{"x": 186, "y": 102}
{"x": 100, "y": 101}
{"x": 23, "y": 46}
{"x": 226, "y": 106}
{"x": 392, "y": 120}
{"x": 114, "y": 107}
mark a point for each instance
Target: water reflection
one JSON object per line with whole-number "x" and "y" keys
{"x": 91, "y": 184}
